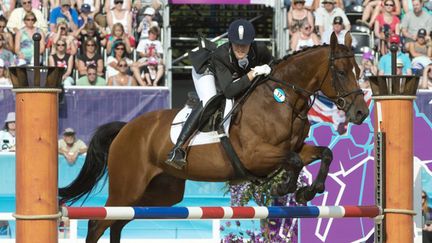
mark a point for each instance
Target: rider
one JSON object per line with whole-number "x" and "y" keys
{"x": 233, "y": 66}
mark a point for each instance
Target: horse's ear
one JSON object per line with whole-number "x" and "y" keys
{"x": 333, "y": 41}
{"x": 348, "y": 39}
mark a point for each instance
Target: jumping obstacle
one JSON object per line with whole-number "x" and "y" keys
{"x": 129, "y": 213}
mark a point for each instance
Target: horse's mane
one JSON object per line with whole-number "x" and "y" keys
{"x": 304, "y": 50}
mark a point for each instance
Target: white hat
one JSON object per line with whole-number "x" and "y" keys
{"x": 2, "y": 64}
{"x": 10, "y": 117}
{"x": 69, "y": 130}
{"x": 149, "y": 11}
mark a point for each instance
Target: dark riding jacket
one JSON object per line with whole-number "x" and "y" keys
{"x": 231, "y": 79}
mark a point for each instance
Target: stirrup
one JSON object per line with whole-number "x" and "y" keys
{"x": 177, "y": 158}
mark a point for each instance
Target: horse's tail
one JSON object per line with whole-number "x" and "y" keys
{"x": 95, "y": 165}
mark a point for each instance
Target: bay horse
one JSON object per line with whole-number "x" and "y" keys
{"x": 267, "y": 136}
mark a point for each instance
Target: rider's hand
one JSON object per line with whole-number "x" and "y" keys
{"x": 261, "y": 70}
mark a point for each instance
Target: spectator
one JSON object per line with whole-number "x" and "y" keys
{"x": 384, "y": 67}
{"x": 15, "y": 21}
{"x": 117, "y": 55}
{"x": 120, "y": 15}
{"x": 420, "y": 47}
{"x": 320, "y": 3}
{"x": 141, "y": 6}
{"x": 24, "y": 46}
{"x": 118, "y": 34}
{"x": 386, "y": 25}
{"x": 70, "y": 147}
{"x": 415, "y": 20}
{"x": 151, "y": 52}
{"x": 305, "y": 38}
{"x": 367, "y": 69}
{"x": 146, "y": 23}
{"x": 6, "y": 7}
{"x": 374, "y": 8}
{"x": 6, "y": 56}
{"x": 61, "y": 59}
{"x": 4, "y": 80}
{"x": 6, "y": 35}
{"x": 94, "y": 6}
{"x": 426, "y": 79}
{"x": 66, "y": 12}
{"x": 297, "y": 15}
{"x": 110, "y": 4}
{"x": 90, "y": 57}
{"x": 426, "y": 219}
{"x": 122, "y": 78}
{"x": 85, "y": 15}
{"x": 91, "y": 31}
{"x": 324, "y": 16}
{"x": 7, "y": 135}
{"x": 91, "y": 78}
{"x": 62, "y": 33}
{"x": 338, "y": 29}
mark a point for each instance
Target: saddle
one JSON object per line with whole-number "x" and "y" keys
{"x": 212, "y": 114}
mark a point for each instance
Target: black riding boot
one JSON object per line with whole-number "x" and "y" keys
{"x": 177, "y": 155}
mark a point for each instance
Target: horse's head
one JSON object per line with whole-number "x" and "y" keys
{"x": 341, "y": 85}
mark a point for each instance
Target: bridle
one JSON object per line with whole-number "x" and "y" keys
{"x": 341, "y": 93}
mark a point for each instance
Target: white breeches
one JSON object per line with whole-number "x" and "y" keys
{"x": 206, "y": 88}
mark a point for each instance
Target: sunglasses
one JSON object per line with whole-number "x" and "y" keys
{"x": 388, "y": 5}
{"x": 32, "y": 19}
{"x": 117, "y": 2}
{"x": 66, "y": 5}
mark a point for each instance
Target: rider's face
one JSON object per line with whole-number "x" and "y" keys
{"x": 240, "y": 51}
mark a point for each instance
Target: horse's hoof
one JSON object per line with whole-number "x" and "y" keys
{"x": 320, "y": 187}
{"x": 299, "y": 196}
{"x": 304, "y": 195}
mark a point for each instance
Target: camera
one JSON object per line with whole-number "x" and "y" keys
{"x": 386, "y": 30}
{"x": 5, "y": 145}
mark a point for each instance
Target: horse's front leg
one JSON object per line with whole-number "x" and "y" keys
{"x": 308, "y": 154}
{"x": 292, "y": 165}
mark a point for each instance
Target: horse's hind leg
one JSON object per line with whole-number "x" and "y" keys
{"x": 96, "y": 228}
{"x": 163, "y": 190}
{"x": 116, "y": 229}
{"x": 309, "y": 154}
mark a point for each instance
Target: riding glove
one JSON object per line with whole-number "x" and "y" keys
{"x": 261, "y": 70}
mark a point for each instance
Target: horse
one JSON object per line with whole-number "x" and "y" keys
{"x": 266, "y": 134}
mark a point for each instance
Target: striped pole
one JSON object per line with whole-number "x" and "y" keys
{"x": 129, "y": 213}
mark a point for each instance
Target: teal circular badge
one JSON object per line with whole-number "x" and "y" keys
{"x": 279, "y": 95}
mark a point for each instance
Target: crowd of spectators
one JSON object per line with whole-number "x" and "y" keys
{"x": 407, "y": 23}
{"x": 98, "y": 42}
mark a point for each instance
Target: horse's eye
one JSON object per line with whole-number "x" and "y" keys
{"x": 341, "y": 72}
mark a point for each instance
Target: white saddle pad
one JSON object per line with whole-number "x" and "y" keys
{"x": 200, "y": 137}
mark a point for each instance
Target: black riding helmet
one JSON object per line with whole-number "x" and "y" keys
{"x": 241, "y": 32}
